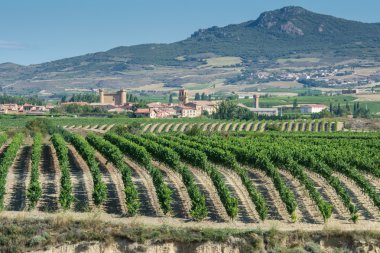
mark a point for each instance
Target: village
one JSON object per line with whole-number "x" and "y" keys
{"x": 185, "y": 108}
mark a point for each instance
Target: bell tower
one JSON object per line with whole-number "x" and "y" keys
{"x": 101, "y": 96}
{"x": 182, "y": 96}
{"x": 256, "y": 101}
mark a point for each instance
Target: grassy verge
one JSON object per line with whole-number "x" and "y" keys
{"x": 27, "y": 234}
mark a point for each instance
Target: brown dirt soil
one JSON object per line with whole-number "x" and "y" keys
{"x": 339, "y": 210}
{"x": 168, "y": 127}
{"x": 220, "y": 127}
{"x": 181, "y": 201}
{"x": 307, "y": 210}
{"x": 217, "y": 212}
{"x": 247, "y": 211}
{"x": 116, "y": 186}
{"x": 17, "y": 181}
{"x": 49, "y": 181}
{"x": 146, "y": 127}
{"x": 161, "y": 127}
{"x": 277, "y": 208}
{"x": 153, "y": 127}
{"x": 81, "y": 180}
{"x": 115, "y": 199}
{"x": 366, "y": 209}
{"x": 150, "y": 205}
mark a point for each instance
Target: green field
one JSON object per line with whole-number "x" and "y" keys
{"x": 286, "y": 60}
{"x": 292, "y": 90}
{"x": 326, "y": 100}
{"x": 373, "y": 106}
{"x": 222, "y": 61}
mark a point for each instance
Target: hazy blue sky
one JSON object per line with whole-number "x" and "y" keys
{"x": 35, "y": 31}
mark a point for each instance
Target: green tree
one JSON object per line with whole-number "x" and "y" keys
{"x": 197, "y": 96}
{"x": 348, "y": 109}
{"x": 295, "y": 103}
{"x": 63, "y": 99}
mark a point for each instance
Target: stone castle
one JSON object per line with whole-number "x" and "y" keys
{"x": 118, "y": 98}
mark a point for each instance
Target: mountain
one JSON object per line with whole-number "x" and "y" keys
{"x": 287, "y": 32}
{"x": 283, "y": 32}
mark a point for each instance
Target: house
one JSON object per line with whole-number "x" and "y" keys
{"x": 350, "y": 91}
{"x": 165, "y": 112}
{"x": 312, "y": 108}
{"x": 188, "y": 111}
{"x": 75, "y": 103}
{"x": 208, "y": 106}
{"x": 103, "y": 106}
{"x": 118, "y": 110}
{"x": 37, "y": 110}
{"x": 261, "y": 111}
{"x": 145, "y": 113}
{"x": 26, "y": 107}
{"x": 9, "y": 108}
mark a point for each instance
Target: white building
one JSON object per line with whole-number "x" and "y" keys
{"x": 261, "y": 111}
{"x": 312, "y": 108}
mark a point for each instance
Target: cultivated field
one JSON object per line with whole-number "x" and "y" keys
{"x": 298, "y": 180}
{"x": 223, "y": 126}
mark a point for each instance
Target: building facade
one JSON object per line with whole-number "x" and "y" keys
{"x": 118, "y": 98}
{"x": 312, "y": 108}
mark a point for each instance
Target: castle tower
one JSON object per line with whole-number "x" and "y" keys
{"x": 256, "y": 101}
{"x": 182, "y": 96}
{"x": 101, "y": 95}
{"x": 123, "y": 97}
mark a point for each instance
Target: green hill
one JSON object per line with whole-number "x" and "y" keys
{"x": 281, "y": 33}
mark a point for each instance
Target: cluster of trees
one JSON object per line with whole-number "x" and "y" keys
{"x": 338, "y": 111}
{"x": 133, "y": 98}
{"x": 360, "y": 112}
{"x": 202, "y": 97}
{"x": 229, "y": 109}
{"x": 313, "y": 83}
{"x": 78, "y": 109}
{"x": 82, "y": 97}
{"x": 34, "y": 100}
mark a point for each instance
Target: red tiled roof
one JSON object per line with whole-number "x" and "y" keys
{"x": 142, "y": 110}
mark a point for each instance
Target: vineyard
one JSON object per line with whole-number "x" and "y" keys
{"x": 223, "y": 126}
{"x": 243, "y": 176}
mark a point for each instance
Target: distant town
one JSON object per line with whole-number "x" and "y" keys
{"x": 185, "y": 108}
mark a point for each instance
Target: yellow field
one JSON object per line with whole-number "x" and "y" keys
{"x": 368, "y": 97}
{"x": 283, "y": 60}
{"x": 283, "y": 85}
{"x": 222, "y": 61}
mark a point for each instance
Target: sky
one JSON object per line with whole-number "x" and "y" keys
{"x": 36, "y": 31}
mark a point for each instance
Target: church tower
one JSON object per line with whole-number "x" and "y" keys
{"x": 101, "y": 96}
{"x": 182, "y": 96}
